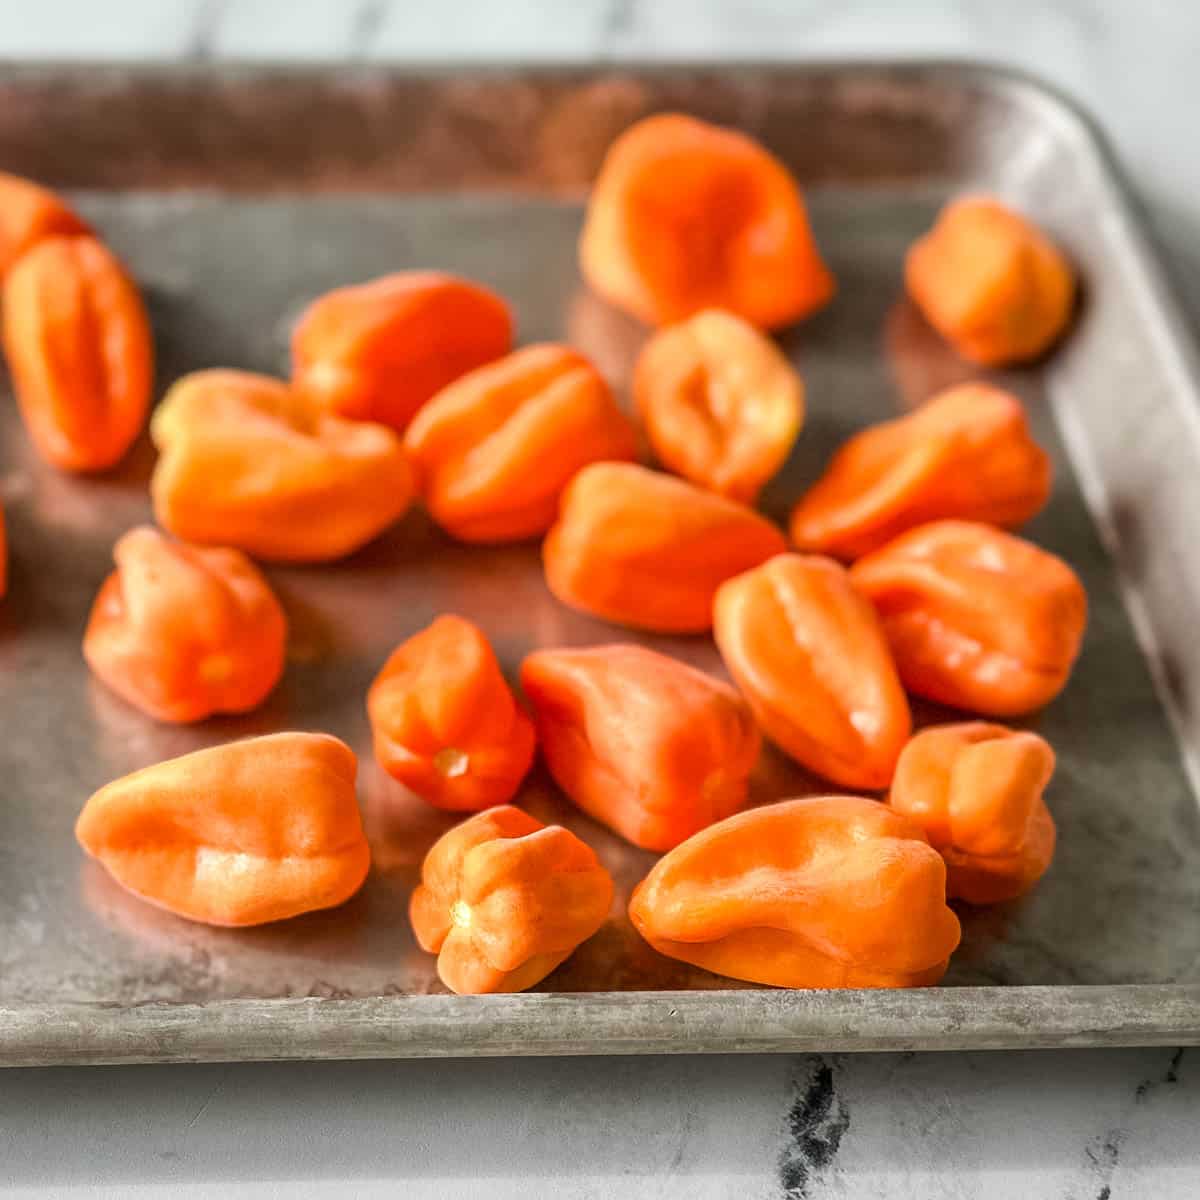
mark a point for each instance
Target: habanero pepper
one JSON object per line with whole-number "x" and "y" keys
{"x": 445, "y": 723}
{"x": 966, "y": 454}
{"x": 640, "y": 548}
{"x": 238, "y": 834}
{"x": 685, "y": 216}
{"x": 810, "y": 656}
{"x": 977, "y": 792}
{"x": 822, "y": 892}
{"x": 504, "y": 899}
{"x": 976, "y": 618}
{"x": 246, "y": 461}
{"x": 182, "y": 632}
{"x": 645, "y": 744}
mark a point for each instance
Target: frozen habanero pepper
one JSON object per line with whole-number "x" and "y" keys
{"x": 238, "y": 834}
{"x": 976, "y": 618}
{"x": 721, "y": 404}
{"x": 494, "y": 450}
{"x": 967, "y": 454}
{"x": 976, "y": 790}
{"x": 80, "y": 352}
{"x": 446, "y": 724}
{"x": 183, "y": 632}
{"x": 990, "y": 282}
{"x": 685, "y": 216}
{"x": 641, "y": 742}
{"x": 29, "y": 214}
{"x": 809, "y": 655}
{"x": 823, "y": 892}
{"x": 246, "y": 461}
{"x": 504, "y": 899}
{"x": 377, "y": 351}
{"x": 640, "y": 548}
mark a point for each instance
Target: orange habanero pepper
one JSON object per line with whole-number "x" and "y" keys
{"x": 377, "y": 351}
{"x": 823, "y": 892}
{"x": 967, "y": 454}
{"x": 991, "y": 283}
{"x": 182, "y": 632}
{"x": 446, "y": 724}
{"x": 504, "y": 899}
{"x": 686, "y": 215}
{"x": 238, "y": 834}
{"x": 246, "y": 461}
{"x": 640, "y": 548}
{"x": 643, "y": 743}
{"x": 30, "y": 213}
{"x": 976, "y": 618}
{"x": 976, "y": 791}
{"x": 721, "y": 404}
{"x": 810, "y": 656}
{"x": 80, "y": 351}
{"x": 494, "y": 450}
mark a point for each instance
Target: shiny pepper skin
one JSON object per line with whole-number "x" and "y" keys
{"x": 80, "y": 352}
{"x": 686, "y": 216}
{"x": 239, "y": 834}
{"x": 182, "y": 632}
{"x": 976, "y": 618}
{"x": 976, "y": 790}
{"x": 823, "y": 892}
{"x": 377, "y": 351}
{"x": 644, "y": 549}
{"x": 809, "y": 655}
{"x": 446, "y": 724}
{"x": 504, "y": 899}
{"x": 645, "y": 744}
{"x": 494, "y": 450}
{"x": 246, "y": 461}
{"x": 967, "y": 454}
{"x": 29, "y": 214}
{"x": 721, "y": 404}
{"x": 991, "y": 283}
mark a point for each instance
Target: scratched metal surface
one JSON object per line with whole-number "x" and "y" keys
{"x": 233, "y": 232}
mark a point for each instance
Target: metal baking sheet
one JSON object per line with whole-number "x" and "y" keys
{"x": 238, "y": 195}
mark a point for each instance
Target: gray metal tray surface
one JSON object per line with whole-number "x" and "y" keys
{"x": 236, "y": 196}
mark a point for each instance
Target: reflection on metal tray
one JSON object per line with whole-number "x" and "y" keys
{"x": 238, "y": 195}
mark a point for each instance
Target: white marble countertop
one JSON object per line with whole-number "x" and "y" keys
{"x": 1085, "y": 1125}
